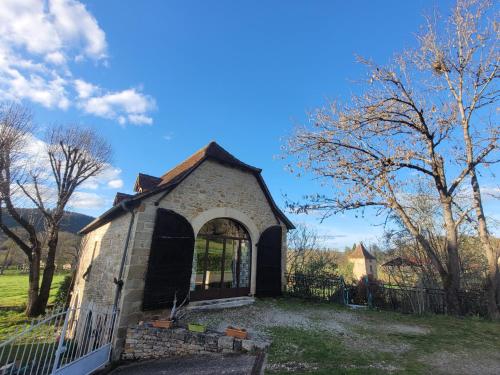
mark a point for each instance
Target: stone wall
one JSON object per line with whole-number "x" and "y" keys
{"x": 101, "y": 249}
{"x": 144, "y": 342}
{"x": 212, "y": 190}
{"x": 361, "y": 267}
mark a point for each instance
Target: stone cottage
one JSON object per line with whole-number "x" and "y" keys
{"x": 364, "y": 263}
{"x": 206, "y": 229}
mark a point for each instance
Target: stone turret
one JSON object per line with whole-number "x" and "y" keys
{"x": 364, "y": 262}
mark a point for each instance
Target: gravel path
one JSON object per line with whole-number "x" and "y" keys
{"x": 359, "y": 332}
{"x": 199, "y": 365}
{"x": 261, "y": 316}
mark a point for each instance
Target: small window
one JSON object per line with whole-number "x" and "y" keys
{"x": 371, "y": 268}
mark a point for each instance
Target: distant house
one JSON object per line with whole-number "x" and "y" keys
{"x": 364, "y": 263}
{"x": 206, "y": 229}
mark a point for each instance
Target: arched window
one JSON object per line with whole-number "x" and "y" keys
{"x": 221, "y": 261}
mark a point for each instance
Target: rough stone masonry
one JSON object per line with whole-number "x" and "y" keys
{"x": 145, "y": 342}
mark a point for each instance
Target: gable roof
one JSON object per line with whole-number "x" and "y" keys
{"x": 121, "y": 197}
{"x": 361, "y": 253}
{"x": 401, "y": 262}
{"x": 145, "y": 182}
{"x": 176, "y": 175}
{"x": 211, "y": 151}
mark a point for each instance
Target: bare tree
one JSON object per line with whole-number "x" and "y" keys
{"x": 404, "y": 131}
{"x": 74, "y": 155}
{"x": 301, "y": 243}
{"x": 464, "y": 54}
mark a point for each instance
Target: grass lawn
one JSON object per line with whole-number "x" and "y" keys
{"x": 322, "y": 338}
{"x": 387, "y": 342}
{"x": 14, "y": 289}
{"x": 13, "y": 295}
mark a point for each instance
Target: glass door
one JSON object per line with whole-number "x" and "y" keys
{"x": 221, "y": 262}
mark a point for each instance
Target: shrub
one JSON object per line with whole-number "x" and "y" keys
{"x": 63, "y": 291}
{"x": 363, "y": 289}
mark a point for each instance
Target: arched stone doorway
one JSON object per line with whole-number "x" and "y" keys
{"x": 221, "y": 261}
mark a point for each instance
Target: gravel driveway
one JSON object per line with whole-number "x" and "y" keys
{"x": 199, "y": 365}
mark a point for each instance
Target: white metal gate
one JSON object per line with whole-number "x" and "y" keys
{"x": 75, "y": 341}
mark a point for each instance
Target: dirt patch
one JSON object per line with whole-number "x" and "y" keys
{"x": 375, "y": 366}
{"x": 363, "y": 343}
{"x": 258, "y": 318}
{"x": 464, "y": 363}
{"x": 291, "y": 367}
{"x": 405, "y": 329}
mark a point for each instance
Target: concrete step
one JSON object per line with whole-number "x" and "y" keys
{"x": 223, "y": 303}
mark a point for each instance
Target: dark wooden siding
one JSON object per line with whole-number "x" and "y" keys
{"x": 170, "y": 260}
{"x": 269, "y": 262}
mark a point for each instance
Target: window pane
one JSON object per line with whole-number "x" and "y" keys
{"x": 198, "y": 264}
{"x": 245, "y": 264}
{"x": 230, "y": 265}
{"x": 214, "y": 263}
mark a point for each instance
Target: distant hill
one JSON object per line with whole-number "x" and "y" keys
{"x": 72, "y": 222}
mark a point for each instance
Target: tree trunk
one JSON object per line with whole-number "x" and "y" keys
{"x": 450, "y": 277}
{"x": 38, "y": 293}
{"x": 33, "y": 305}
{"x": 48, "y": 273}
{"x": 493, "y": 278}
{"x": 452, "y": 281}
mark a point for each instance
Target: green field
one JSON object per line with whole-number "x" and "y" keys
{"x": 13, "y": 297}
{"x": 14, "y": 289}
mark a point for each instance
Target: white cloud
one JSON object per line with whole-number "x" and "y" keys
{"x": 77, "y": 25}
{"x": 85, "y": 200}
{"x": 139, "y": 119}
{"x": 56, "y": 58}
{"x": 46, "y": 28}
{"x": 40, "y": 40}
{"x": 490, "y": 192}
{"x": 115, "y": 184}
{"x": 109, "y": 177}
{"x": 123, "y": 105}
{"x": 84, "y": 89}
{"x": 92, "y": 194}
{"x": 90, "y": 185}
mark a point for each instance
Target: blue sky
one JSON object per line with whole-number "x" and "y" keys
{"x": 160, "y": 79}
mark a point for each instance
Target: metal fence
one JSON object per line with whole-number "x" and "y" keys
{"x": 315, "y": 287}
{"x": 406, "y": 299}
{"x": 415, "y": 300}
{"x": 65, "y": 341}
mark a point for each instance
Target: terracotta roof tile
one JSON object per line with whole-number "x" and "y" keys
{"x": 360, "y": 252}
{"x": 151, "y": 185}
{"x": 213, "y": 151}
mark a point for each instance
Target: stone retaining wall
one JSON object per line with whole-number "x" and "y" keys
{"x": 145, "y": 342}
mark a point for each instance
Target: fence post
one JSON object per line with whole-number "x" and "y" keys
{"x": 60, "y": 345}
{"x": 369, "y": 296}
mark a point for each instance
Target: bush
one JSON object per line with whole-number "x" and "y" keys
{"x": 364, "y": 289}
{"x": 63, "y": 291}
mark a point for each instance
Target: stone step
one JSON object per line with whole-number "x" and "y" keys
{"x": 223, "y": 303}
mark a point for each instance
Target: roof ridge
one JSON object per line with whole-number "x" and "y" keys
{"x": 176, "y": 175}
{"x": 361, "y": 252}
{"x": 148, "y": 175}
